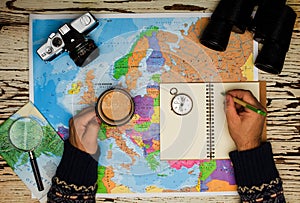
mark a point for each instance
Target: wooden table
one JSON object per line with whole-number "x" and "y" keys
{"x": 283, "y": 91}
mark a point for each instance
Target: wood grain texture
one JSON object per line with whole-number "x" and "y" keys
{"x": 283, "y": 91}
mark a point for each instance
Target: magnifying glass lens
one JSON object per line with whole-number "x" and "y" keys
{"x": 26, "y": 134}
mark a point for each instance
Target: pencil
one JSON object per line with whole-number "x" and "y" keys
{"x": 248, "y": 106}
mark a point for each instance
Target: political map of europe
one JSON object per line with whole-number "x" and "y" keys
{"x": 137, "y": 53}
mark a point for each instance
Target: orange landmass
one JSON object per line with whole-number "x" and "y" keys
{"x": 156, "y": 145}
{"x": 192, "y": 62}
{"x": 126, "y": 166}
{"x": 153, "y": 92}
{"x": 220, "y": 185}
{"x": 187, "y": 189}
{"x": 229, "y": 62}
{"x": 187, "y": 63}
{"x": 121, "y": 189}
{"x": 109, "y": 154}
{"x": 139, "y": 52}
{"x": 89, "y": 96}
{"x": 108, "y": 175}
{"x": 117, "y": 135}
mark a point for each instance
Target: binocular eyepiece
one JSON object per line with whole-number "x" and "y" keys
{"x": 272, "y": 26}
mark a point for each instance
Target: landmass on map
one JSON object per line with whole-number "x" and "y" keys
{"x": 137, "y": 54}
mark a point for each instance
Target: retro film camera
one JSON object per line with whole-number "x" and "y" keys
{"x": 272, "y": 26}
{"x": 71, "y": 38}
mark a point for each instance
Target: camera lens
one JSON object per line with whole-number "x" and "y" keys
{"x": 84, "y": 53}
{"x": 57, "y": 42}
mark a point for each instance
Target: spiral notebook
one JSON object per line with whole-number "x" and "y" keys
{"x": 192, "y": 119}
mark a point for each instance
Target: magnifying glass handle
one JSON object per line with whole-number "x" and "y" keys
{"x": 36, "y": 171}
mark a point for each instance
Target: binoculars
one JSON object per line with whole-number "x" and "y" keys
{"x": 272, "y": 25}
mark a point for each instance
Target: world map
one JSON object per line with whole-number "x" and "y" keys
{"x": 137, "y": 53}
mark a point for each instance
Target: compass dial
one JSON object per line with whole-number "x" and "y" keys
{"x": 181, "y": 104}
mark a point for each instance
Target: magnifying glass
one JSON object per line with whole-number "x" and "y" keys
{"x": 26, "y": 134}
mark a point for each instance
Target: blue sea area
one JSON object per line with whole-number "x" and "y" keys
{"x": 109, "y": 29}
{"x": 61, "y": 89}
{"x": 47, "y": 104}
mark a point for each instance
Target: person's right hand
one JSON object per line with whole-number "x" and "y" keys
{"x": 245, "y": 126}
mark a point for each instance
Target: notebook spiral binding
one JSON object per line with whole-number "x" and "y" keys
{"x": 210, "y": 134}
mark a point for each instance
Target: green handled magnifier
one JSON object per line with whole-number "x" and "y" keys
{"x": 26, "y": 134}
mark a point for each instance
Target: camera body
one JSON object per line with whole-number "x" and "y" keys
{"x": 71, "y": 38}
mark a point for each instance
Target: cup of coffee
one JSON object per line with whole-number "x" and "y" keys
{"x": 115, "y": 107}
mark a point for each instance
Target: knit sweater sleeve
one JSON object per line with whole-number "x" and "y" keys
{"x": 256, "y": 175}
{"x": 76, "y": 177}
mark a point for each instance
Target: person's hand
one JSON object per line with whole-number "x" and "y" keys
{"x": 244, "y": 125}
{"x": 83, "y": 130}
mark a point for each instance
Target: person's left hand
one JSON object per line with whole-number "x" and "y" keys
{"x": 83, "y": 130}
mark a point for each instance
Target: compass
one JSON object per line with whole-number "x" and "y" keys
{"x": 181, "y": 103}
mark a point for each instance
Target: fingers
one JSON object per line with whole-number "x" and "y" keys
{"x": 74, "y": 139}
{"x": 92, "y": 128}
{"x": 90, "y": 136}
{"x": 246, "y": 96}
{"x": 85, "y": 111}
{"x": 85, "y": 116}
{"x": 245, "y": 126}
{"x": 230, "y": 108}
{"x": 84, "y": 129}
{"x": 83, "y": 119}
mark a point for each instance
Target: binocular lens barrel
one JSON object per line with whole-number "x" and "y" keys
{"x": 272, "y": 55}
{"x": 229, "y": 15}
{"x": 272, "y": 26}
{"x": 216, "y": 35}
{"x": 266, "y": 19}
{"x": 241, "y": 14}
